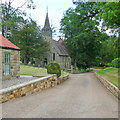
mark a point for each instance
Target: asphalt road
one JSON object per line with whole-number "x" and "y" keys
{"x": 82, "y": 96}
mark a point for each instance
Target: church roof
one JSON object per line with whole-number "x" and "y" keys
{"x": 60, "y": 48}
{"x": 4, "y": 43}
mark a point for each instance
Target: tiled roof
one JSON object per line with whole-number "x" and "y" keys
{"x": 60, "y": 48}
{"x": 4, "y": 43}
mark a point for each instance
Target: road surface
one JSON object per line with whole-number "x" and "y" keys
{"x": 82, "y": 96}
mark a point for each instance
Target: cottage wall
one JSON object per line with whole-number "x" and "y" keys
{"x": 14, "y": 64}
{"x": 0, "y": 64}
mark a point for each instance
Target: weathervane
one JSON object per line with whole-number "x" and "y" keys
{"x": 47, "y": 9}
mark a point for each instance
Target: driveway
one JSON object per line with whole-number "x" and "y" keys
{"x": 82, "y": 96}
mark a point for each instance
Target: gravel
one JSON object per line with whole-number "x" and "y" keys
{"x": 16, "y": 81}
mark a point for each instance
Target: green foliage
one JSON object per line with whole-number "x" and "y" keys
{"x": 106, "y": 54}
{"x": 23, "y": 33}
{"x": 81, "y": 69}
{"x": 88, "y": 69}
{"x": 54, "y": 68}
{"x": 12, "y": 18}
{"x": 86, "y": 44}
{"x": 82, "y": 37}
{"x": 109, "y": 64}
{"x": 108, "y": 51}
{"x": 116, "y": 62}
{"x": 109, "y": 13}
{"x": 29, "y": 39}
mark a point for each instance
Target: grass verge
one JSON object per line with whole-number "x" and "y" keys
{"x": 111, "y": 74}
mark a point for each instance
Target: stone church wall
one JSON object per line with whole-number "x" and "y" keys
{"x": 64, "y": 61}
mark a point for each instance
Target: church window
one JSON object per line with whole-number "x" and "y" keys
{"x": 53, "y": 56}
{"x": 62, "y": 59}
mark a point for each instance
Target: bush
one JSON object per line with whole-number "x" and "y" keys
{"x": 88, "y": 69}
{"x": 54, "y": 68}
{"x": 116, "y": 63}
{"x": 108, "y": 64}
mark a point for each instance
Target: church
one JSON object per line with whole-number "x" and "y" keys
{"x": 57, "y": 52}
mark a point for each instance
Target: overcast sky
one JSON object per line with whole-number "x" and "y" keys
{"x": 55, "y": 10}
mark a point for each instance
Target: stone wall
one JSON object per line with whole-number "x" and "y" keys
{"x": 30, "y": 87}
{"x": 65, "y": 62}
{"x": 0, "y": 65}
{"x": 14, "y": 64}
{"x": 112, "y": 88}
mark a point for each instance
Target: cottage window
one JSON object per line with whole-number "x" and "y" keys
{"x": 7, "y": 63}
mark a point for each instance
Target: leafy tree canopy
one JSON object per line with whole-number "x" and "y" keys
{"x": 82, "y": 37}
{"x": 108, "y": 12}
{"x": 29, "y": 39}
{"x": 11, "y": 17}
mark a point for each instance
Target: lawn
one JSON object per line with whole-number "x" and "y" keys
{"x": 30, "y": 70}
{"x": 111, "y": 74}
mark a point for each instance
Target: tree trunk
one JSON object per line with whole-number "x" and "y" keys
{"x": 6, "y": 31}
{"x": 25, "y": 61}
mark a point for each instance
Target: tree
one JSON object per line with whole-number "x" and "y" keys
{"x": 41, "y": 47}
{"x": 82, "y": 37}
{"x": 107, "y": 51}
{"x": 11, "y": 16}
{"x": 29, "y": 39}
{"x": 109, "y": 15}
{"x": 108, "y": 12}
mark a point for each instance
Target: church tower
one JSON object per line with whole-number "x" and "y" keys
{"x": 47, "y": 35}
{"x": 47, "y": 31}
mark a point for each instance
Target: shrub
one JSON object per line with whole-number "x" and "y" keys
{"x": 116, "y": 62}
{"x": 54, "y": 68}
{"x": 88, "y": 69}
{"x": 108, "y": 64}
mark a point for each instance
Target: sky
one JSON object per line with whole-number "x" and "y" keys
{"x": 56, "y": 8}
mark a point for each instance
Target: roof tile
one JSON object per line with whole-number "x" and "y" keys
{"x": 60, "y": 48}
{"x": 7, "y": 44}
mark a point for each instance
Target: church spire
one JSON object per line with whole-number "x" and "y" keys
{"x": 47, "y": 24}
{"x": 47, "y": 31}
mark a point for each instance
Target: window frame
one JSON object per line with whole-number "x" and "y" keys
{"x": 6, "y": 63}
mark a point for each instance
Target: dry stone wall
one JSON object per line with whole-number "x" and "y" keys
{"x": 27, "y": 88}
{"x": 109, "y": 86}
